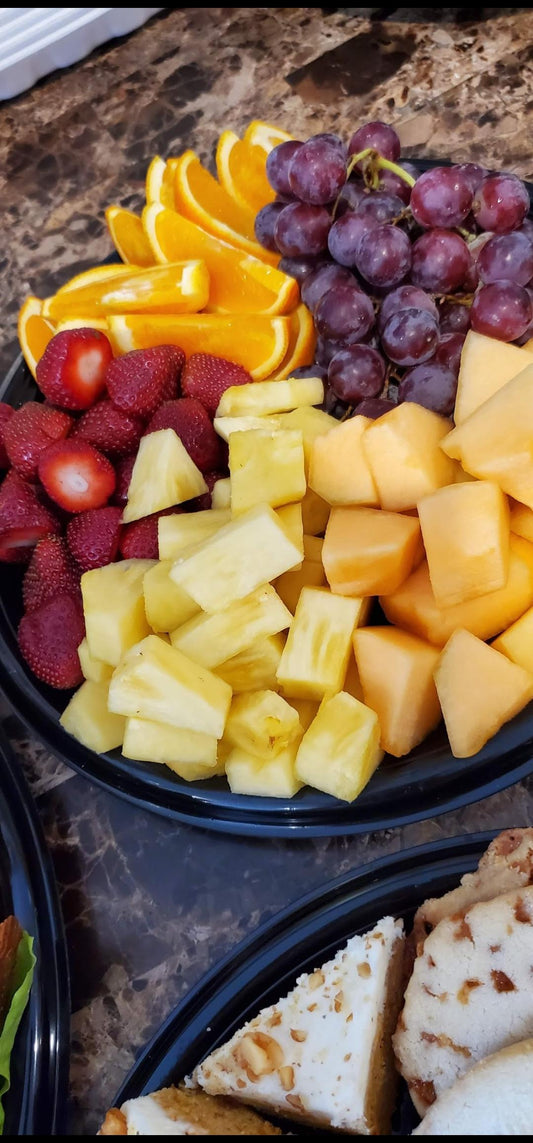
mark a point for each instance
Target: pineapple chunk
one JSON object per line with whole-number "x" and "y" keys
{"x": 251, "y": 550}
{"x": 88, "y": 719}
{"x": 306, "y": 710}
{"x": 255, "y": 668}
{"x": 310, "y": 574}
{"x": 221, "y": 493}
{"x": 225, "y": 426}
{"x": 93, "y": 669}
{"x": 274, "y": 778}
{"x": 167, "y": 606}
{"x": 185, "y": 529}
{"x": 316, "y": 654}
{"x": 311, "y": 422}
{"x": 194, "y": 771}
{"x": 291, "y": 518}
{"x": 149, "y": 741}
{"x": 262, "y": 723}
{"x": 113, "y": 606}
{"x": 210, "y": 639}
{"x": 262, "y": 398}
{"x": 159, "y": 683}
{"x": 163, "y": 475}
{"x": 341, "y": 749}
{"x": 266, "y": 466}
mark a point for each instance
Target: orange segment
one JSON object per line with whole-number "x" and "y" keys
{"x": 241, "y": 171}
{"x": 128, "y": 237}
{"x": 240, "y": 283}
{"x": 256, "y": 341}
{"x": 160, "y": 181}
{"x": 265, "y": 135}
{"x": 82, "y": 323}
{"x": 95, "y": 274}
{"x": 34, "y": 332}
{"x": 176, "y": 288}
{"x": 202, "y": 200}
{"x": 302, "y": 343}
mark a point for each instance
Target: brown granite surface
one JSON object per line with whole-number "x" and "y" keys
{"x": 149, "y": 904}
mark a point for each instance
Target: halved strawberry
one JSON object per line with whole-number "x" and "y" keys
{"x": 140, "y": 380}
{"x": 49, "y": 637}
{"x": 123, "y": 471}
{"x": 93, "y": 536}
{"x": 76, "y": 475}
{"x": 51, "y": 571}
{"x": 6, "y": 412}
{"x": 206, "y": 377}
{"x": 194, "y": 427}
{"x": 109, "y": 429}
{"x": 71, "y": 372}
{"x": 24, "y": 520}
{"x": 30, "y": 431}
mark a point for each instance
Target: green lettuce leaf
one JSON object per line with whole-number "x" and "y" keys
{"x": 24, "y": 967}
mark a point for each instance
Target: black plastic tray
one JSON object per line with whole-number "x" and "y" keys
{"x": 36, "y": 1101}
{"x": 265, "y": 965}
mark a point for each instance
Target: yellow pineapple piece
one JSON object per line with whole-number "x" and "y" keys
{"x": 262, "y": 398}
{"x": 149, "y": 741}
{"x": 163, "y": 475}
{"x": 225, "y": 426}
{"x": 113, "y": 606}
{"x": 195, "y": 772}
{"x": 291, "y": 518}
{"x": 251, "y": 550}
{"x": 221, "y": 493}
{"x": 341, "y": 749}
{"x": 271, "y": 778}
{"x": 157, "y": 682}
{"x": 185, "y": 529}
{"x": 255, "y": 668}
{"x": 93, "y": 669}
{"x": 310, "y": 574}
{"x": 311, "y": 422}
{"x": 261, "y": 723}
{"x": 167, "y": 606}
{"x": 306, "y": 709}
{"x": 211, "y": 639}
{"x": 266, "y": 466}
{"x": 315, "y": 656}
{"x": 88, "y": 719}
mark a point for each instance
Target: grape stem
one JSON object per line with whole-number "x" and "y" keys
{"x": 373, "y": 163}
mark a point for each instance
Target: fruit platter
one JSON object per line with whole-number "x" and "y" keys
{"x": 266, "y": 511}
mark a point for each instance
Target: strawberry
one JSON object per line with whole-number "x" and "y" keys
{"x": 93, "y": 536}
{"x": 49, "y": 638}
{"x": 194, "y": 427}
{"x": 139, "y": 381}
{"x": 51, "y": 571}
{"x": 76, "y": 475}
{"x": 24, "y": 520}
{"x": 31, "y": 430}
{"x": 6, "y": 412}
{"x": 109, "y": 429}
{"x": 204, "y": 501}
{"x": 123, "y": 471}
{"x": 206, "y": 377}
{"x": 139, "y": 540}
{"x": 71, "y": 372}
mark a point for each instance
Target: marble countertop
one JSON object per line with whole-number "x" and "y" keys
{"x": 150, "y": 904}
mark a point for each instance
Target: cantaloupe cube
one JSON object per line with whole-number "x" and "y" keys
{"x": 211, "y": 639}
{"x": 521, "y": 520}
{"x": 221, "y": 493}
{"x": 413, "y": 607}
{"x": 494, "y": 442}
{"x": 262, "y": 723}
{"x": 339, "y": 470}
{"x": 479, "y": 690}
{"x": 266, "y": 466}
{"x": 157, "y": 682}
{"x": 93, "y": 669}
{"x": 183, "y": 530}
{"x": 516, "y": 642}
{"x": 149, "y": 741}
{"x": 292, "y": 520}
{"x": 315, "y": 513}
{"x": 262, "y": 398}
{"x": 255, "y": 668}
{"x": 340, "y": 750}
{"x": 352, "y": 682}
{"x": 251, "y": 550}
{"x": 368, "y": 551}
{"x": 486, "y": 365}
{"x": 272, "y": 778}
{"x": 225, "y": 426}
{"x": 465, "y": 529}
{"x": 113, "y": 606}
{"x": 167, "y": 606}
{"x": 163, "y": 475}
{"x": 396, "y": 673}
{"x": 315, "y": 656}
{"x": 311, "y": 422}
{"x": 402, "y": 449}
{"x": 306, "y": 710}
{"x": 88, "y": 719}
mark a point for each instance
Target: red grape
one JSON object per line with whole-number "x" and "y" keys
{"x": 302, "y": 229}
{"x": 403, "y": 298}
{"x": 265, "y": 221}
{"x": 300, "y": 266}
{"x": 410, "y": 336}
{"x": 430, "y": 384}
{"x": 378, "y": 135}
{"x": 454, "y": 317}
{"x": 322, "y": 279}
{"x": 507, "y": 256}
{"x": 345, "y": 235}
{"x": 317, "y": 172}
{"x": 384, "y": 256}
{"x": 278, "y": 163}
{"x": 355, "y": 372}
{"x": 501, "y": 203}
{"x": 344, "y": 313}
{"x": 441, "y": 260}
{"x": 374, "y": 407}
{"x": 380, "y": 207}
{"x": 502, "y": 310}
{"x": 349, "y": 197}
{"x": 441, "y": 197}
{"x": 449, "y": 349}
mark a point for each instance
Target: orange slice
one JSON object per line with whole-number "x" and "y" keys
{"x": 265, "y": 135}
{"x": 160, "y": 181}
{"x": 256, "y": 341}
{"x": 82, "y": 323}
{"x": 95, "y": 274}
{"x": 240, "y": 283}
{"x": 128, "y": 237}
{"x": 34, "y": 332}
{"x": 241, "y": 171}
{"x": 203, "y": 200}
{"x": 302, "y": 342}
{"x": 176, "y": 288}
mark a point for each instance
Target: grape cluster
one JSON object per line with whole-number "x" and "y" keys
{"x": 397, "y": 266}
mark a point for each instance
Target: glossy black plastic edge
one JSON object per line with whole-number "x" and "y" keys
{"x": 263, "y": 966}
{"x": 41, "y": 1053}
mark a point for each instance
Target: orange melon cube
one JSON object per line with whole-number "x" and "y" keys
{"x": 338, "y": 468}
{"x": 368, "y": 551}
{"x": 465, "y": 529}
{"x": 479, "y": 690}
{"x": 486, "y": 365}
{"x": 404, "y": 454}
{"x": 516, "y": 642}
{"x": 396, "y": 673}
{"x": 521, "y": 520}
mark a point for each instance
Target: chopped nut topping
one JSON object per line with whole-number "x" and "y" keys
{"x": 502, "y": 982}
{"x": 463, "y": 994}
{"x": 295, "y": 1102}
{"x": 364, "y": 969}
{"x": 338, "y": 1002}
{"x": 522, "y": 913}
{"x": 286, "y": 1078}
{"x": 316, "y": 979}
{"x": 444, "y": 1041}
{"x": 298, "y": 1035}
{"x": 259, "y": 1055}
